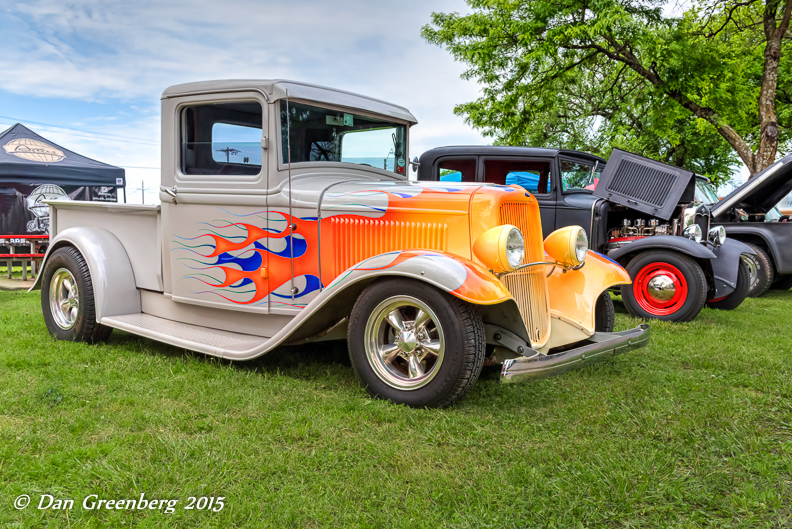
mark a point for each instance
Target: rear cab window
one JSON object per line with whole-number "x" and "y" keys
{"x": 457, "y": 170}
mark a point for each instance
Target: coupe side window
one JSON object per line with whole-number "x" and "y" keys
{"x": 534, "y": 176}
{"x": 457, "y": 170}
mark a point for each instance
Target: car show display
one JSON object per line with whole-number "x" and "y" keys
{"x": 636, "y": 211}
{"x": 287, "y": 217}
{"x": 749, "y": 214}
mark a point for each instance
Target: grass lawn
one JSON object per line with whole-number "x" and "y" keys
{"x": 693, "y": 431}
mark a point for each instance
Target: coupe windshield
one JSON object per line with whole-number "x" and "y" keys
{"x": 705, "y": 193}
{"x": 320, "y": 134}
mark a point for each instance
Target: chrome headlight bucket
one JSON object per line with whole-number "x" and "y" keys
{"x": 717, "y": 236}
{"x": 692, "y": 232}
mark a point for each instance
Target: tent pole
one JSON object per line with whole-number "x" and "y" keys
{"x": 124, "y": 190}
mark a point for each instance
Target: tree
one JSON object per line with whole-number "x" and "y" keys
{"x": 700, "y": 90}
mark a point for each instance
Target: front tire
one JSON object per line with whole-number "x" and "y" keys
{"x": 413, "y": 344}
{"x": 765, "y": 272}
{"x": 666, "y": 286}
{"x": 67, "y": 298}
{"x": 738, "y": 295}
{"x": 604, "y": 313}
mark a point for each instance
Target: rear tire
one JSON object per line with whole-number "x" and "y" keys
{"x": 738, "y": 295}
{"x": 604, "y": 313}
{"x": 413, "y": 344}
{"x": 67, "y": 298}
{"x": 765, "y": 272}
{"x": 666, "y": 286}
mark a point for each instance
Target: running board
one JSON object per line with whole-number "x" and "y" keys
{"x": 193, "y": 337}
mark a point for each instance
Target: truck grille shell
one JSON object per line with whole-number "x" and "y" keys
{"x": 529, "y": 285}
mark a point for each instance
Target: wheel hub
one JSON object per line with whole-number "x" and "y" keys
{"x": 64, "y": 298}
{"x": 661, "y": 288}
{"x": 407, "y": 341}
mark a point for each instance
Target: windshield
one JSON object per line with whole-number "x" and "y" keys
{"x": 320, "y": 134}
{"x": 577, "y": 174}
{"x": 705, "y": 193}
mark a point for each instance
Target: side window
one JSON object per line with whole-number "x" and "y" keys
{"x": 534, "y": 176}
{"x": 457, "y": 170}
{"x": 579, "y": 175}
{"x": 221, "y": 139}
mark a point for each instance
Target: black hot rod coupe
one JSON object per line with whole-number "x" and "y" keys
{"x": 638, "y": 212}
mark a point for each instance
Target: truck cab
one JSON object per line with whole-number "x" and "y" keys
{"x": 287, "y": 217}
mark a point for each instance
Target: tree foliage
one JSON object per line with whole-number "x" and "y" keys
{"x": 701, "y": 90}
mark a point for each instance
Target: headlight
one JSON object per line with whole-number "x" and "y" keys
{"x": 515, "y": 248}
{"x": 500, "y": 249}
{"x": 693, "y": 232}
{"x": 567, "y": 246}
{"x": 717, "y": 236}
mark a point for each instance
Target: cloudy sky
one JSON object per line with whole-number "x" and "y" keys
{"x": 88, "y": 74}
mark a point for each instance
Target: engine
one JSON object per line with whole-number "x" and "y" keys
{"x": 631, "y": 230}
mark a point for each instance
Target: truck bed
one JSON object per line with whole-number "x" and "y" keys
{"x": 137, "y": 226}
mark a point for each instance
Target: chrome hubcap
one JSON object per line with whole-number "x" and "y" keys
{"x": 404, "y": 344}
{"x": 753, "y": 271}
{"x": 661, "y": 288}
{"x": 64, "y": 299}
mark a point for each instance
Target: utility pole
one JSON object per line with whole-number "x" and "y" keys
{"x": 228, "y": 152}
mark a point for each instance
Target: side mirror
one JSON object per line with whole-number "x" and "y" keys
{"x": 415, "y": 164}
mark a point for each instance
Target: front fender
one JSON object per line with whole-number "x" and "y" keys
{"x": 458, "y": 276}
{"x": 727, "y": 265}
{"x": 664, "y": 242}
{"x": 108, "y": 263}
{"x": 574, "y": 293}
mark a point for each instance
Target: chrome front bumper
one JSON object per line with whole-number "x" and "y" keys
{"x": 600, "y": 346}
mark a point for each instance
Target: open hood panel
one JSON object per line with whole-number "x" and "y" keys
{"x": 762, "y": 192}
{"x": 643, "y": 184}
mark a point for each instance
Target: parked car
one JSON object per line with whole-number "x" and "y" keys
{"x": 749, "y": 214}
{"x": 285, "y": 218}
{"x": 636, "y": 211}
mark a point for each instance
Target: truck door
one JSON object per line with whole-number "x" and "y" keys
{"x": 533, "y": 174}
{"x": 214, "y": 206}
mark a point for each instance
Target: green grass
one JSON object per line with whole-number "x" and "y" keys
{"x": 693, "y": 431}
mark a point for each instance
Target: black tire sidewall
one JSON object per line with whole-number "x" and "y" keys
{"x": 765, "y": 272}
{"x": 695, "y": 279}
{"x": 70, "y": 259}
{"x": 604, "y": 313}
{"x": 445, "y": 381}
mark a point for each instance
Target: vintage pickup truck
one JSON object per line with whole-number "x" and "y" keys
{"x": 639, "y": 212}
{"x": 287, "y": 217}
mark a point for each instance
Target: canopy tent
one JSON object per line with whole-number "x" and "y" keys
{"x": 34, "y": 170}
{"x": 27, "y": 158}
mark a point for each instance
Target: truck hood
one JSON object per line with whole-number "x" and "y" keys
{"x": 643, "y": 184}
{"x": 762, "y": 192}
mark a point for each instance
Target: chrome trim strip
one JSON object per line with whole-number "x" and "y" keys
{"x": 606, "y": 345}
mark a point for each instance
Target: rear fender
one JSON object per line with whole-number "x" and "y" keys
{"x": 111, "y": 272}
{"x": 574, "y": 293}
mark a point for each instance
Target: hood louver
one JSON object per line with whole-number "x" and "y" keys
{"x": 643, "y": 184}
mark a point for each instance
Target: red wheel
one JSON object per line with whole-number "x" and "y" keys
{"x": 666, "y": 286}
{"x": 660, "y": 289}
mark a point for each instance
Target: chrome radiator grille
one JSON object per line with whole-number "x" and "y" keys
{"x": 529, "y": 286}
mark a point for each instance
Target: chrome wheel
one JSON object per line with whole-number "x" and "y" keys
{"x": 753, "y": 269}
{"x": 64, "y": 298}
{"x": 404, "y": 343}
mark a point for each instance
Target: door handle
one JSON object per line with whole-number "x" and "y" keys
{"x": 172, "y": 193}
